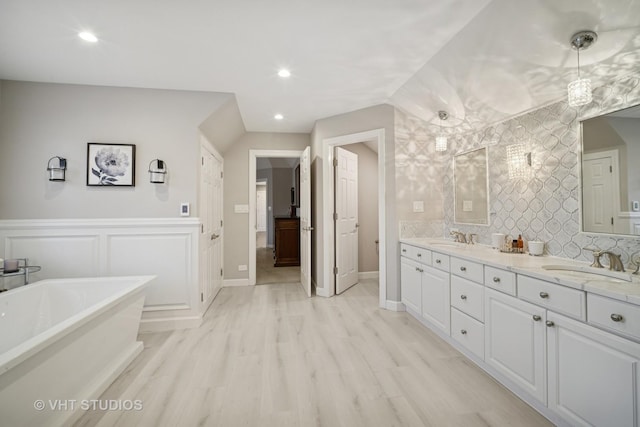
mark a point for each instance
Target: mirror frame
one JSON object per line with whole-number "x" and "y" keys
{"x": 579, "y": 120}
{"x": 455, "y": 188}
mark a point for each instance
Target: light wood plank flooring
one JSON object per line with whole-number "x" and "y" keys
{"x": 270, "y": 356}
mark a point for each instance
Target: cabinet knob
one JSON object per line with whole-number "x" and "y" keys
{"x": 463, "y": 268}
{"x": 536, "y": 317}
{"x": 419, "y": 255}
{"x": 496, "y": 279}
{"x": 463, "y": 331}
{"x": 404, "y": 251}
{"x": 438, "y": 261}
{"x": 617, "y": 317}
{"x": 463, "y": 297}
{"x": 544, "y": 295}
{"x": 549, "y": 323}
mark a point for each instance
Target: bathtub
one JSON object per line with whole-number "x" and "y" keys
{"x": 63, "y": 342}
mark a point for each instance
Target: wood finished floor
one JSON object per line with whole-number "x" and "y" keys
{"x": 270, "y": 356}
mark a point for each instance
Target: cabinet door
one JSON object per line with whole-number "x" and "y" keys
{"x": 435, "y": 298}
{"x": 594, "y": 376}
{"x": 515, "y": 341}
{"x": 410, "y": 291}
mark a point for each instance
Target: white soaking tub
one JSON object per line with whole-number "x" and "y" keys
{"x": 65, "y": 341}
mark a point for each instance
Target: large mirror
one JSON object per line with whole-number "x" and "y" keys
{"x": 471, "y": 187}
{"x": 611, "y": 173}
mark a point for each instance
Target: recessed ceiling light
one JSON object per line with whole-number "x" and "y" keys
{"x": 284, "y": 73}
{"x": 278, "y": 116}
{"x": 88, "y": 37}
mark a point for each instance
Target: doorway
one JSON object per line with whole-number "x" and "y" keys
{"x": 276, "y": 169}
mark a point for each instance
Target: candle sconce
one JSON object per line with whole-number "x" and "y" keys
{"x": 57, "y": 167}
{"x": 157, "y": 171}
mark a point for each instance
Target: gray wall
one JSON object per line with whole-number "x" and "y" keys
{"x": 367, "y": 206}
{"x": 267, "y": 174}
{"x": 282, "y": 183}
{"x": 379, "y": 116}
{"x": 236, "y": 191}
{"x": 42, "y": 120}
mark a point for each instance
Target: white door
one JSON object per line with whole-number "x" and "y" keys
{"x": 597, "y": 198}
{"x": 346, "y": 226}
{"x": 594, "y": 376}
{"x": 515, "y": 341}
{"x": 211, "y": 228}
{"x": 305, "y": 220}
{"x": 261, "y": 207}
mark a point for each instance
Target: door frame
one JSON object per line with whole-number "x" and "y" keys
{"x": 253, "y": 155}
{"x": 377, "y": 137}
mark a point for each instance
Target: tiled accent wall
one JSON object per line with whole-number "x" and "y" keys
{"x": 544, "y": 205}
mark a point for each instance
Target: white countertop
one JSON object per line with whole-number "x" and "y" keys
{"x": 532, "y": 266}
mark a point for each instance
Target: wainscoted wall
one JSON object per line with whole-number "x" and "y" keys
{"x": 543, "y": 206}
{"x": 164, "y": 247}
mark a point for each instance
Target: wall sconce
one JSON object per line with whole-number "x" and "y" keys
{"x": 157, "y": 171}
{"x": 441, "y": 140}
{"x": 579, "y": 91}
{"x": 518, "y": 161}
{"x": 57, "y": 167}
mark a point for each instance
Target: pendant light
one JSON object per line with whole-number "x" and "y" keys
{"x": 579, "y": 91}
{"x": 441, "y": 140}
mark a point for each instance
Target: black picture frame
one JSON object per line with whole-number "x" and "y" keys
{"x": 111, "y": 165}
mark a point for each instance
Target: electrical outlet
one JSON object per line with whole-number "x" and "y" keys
{"x": 467, "y": 206}
{"x": 418, "y": 206}
{"x": 242, "y": 267}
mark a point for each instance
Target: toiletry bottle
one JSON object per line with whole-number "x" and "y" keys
{"x": 520, "y": 244}
{"x": 514, "y": 245}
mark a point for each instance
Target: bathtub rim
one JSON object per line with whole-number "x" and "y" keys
{"x": 33, "y": 345}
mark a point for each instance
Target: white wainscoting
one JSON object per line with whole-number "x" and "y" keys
{"x": 164, "y": 247}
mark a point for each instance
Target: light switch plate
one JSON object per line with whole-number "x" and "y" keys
{"x": 635, "y": 206}
{"x": 241, "y": 208}
{"x": 418, "y": 206}
{"x": 467, "y": 205}
{"x": 185, "y": 209}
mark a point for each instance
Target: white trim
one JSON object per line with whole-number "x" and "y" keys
{"x": 160, "y": 325}
{"x": 395, "y": 306}
{"x": 253, "y": 155}
{"x": 27, "y": 224}
{"x": 629, "y": 215}
{"x": 377, "y": 136}
{"x": 364, "y": 275}
{"x": 228, "y": 283}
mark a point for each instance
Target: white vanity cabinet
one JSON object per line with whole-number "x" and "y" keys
{"x": 593, "y": 376}
{"x": 515, "y": 341}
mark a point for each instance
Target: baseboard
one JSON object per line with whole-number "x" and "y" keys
{"x": 228, "y": 283}
{"x": 394, "y": 306}
{"x": 322, "y": 292}
{"x": 169, "y": 324}
{"x": 363, "y": 275}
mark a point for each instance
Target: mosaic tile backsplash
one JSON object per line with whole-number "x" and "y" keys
{"x": 545, "y": 205}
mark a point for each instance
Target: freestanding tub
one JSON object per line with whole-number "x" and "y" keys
{"x": 63, "y": 342}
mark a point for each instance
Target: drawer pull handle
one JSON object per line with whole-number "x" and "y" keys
{"x": 438, "y": 261}
{"x": 617, "y": 317}
{"x": 463, "y": 297}
{"x": 463, "y": 268}
{"x": 549, "y": 323}
{"x": 536, "y": 317}
{"x": 404, "y": 250}
{"x": 419, "y": 255}
{"x": 496, "y": 279}
{"x": 463, "y": 331}
{"x": 544, "y": 295}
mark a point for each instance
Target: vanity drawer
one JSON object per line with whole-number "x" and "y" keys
{"x": 560, "y": 299}
{"x": 467, "y": 297}
{"x": 500, "y": 280}
{"x": 440, "y": 261}
{"x": 617, "y": 316}
{"x": 415, "y": 253}
{"x": 467, "y": 269}
{"x": 468, "y": 332}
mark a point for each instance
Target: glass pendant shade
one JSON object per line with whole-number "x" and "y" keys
{"x": 579, "y": 92}
{"x": 441, "y": 143}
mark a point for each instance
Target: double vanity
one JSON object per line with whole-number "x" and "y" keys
{"x": 562, "y": 336}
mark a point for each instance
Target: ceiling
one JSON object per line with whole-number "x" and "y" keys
{"x": 481, "y": 60}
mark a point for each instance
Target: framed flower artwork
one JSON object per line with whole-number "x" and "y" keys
{"x": 111, "y": 164}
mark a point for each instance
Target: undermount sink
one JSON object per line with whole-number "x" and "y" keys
{"x": 584, "y": 272}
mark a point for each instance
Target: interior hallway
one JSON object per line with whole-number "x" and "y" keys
{"x": 270, "y": 356}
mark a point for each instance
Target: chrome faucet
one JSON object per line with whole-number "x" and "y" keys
{"x": 458, "y": 236}
{"x": 615, "y": 263}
